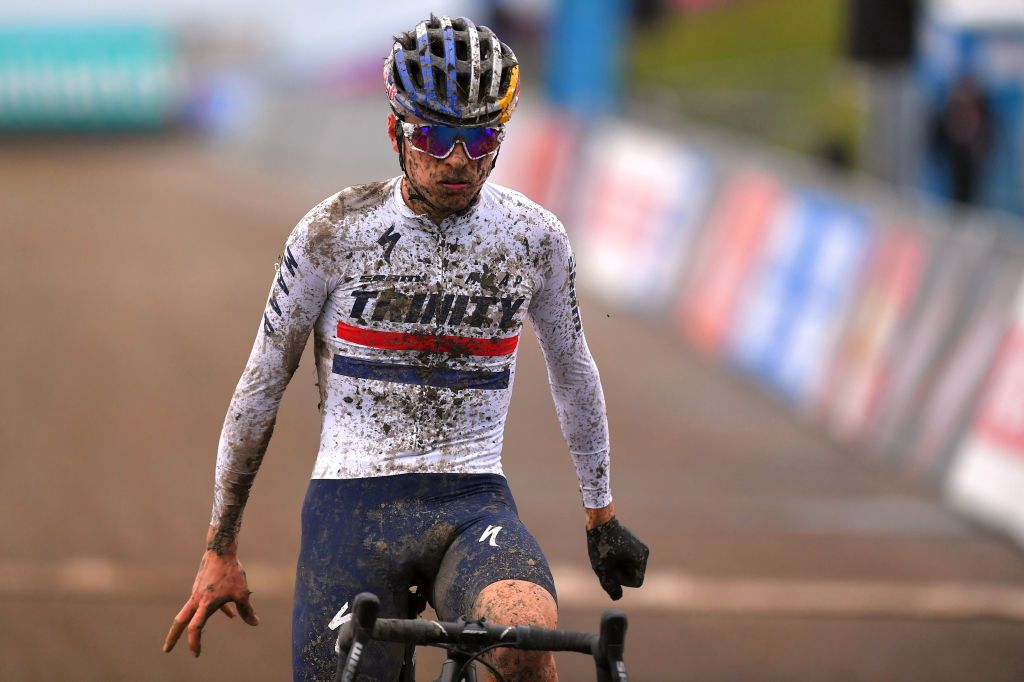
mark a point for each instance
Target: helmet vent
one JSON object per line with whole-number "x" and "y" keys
{"x": 414, "y": 73}
{"x": 485, "y": 83}
{"x": 441, "y": 82}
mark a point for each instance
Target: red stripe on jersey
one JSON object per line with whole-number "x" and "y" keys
{"x": 463, "y": 345}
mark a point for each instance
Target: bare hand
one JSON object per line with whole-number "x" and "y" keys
{"x": 219, "y": 582}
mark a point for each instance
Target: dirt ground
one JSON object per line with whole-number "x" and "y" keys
{"x": 136, "y": 272}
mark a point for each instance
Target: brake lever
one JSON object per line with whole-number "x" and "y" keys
{"x": 364, "y": 616}
{"x": 611, "y": 646}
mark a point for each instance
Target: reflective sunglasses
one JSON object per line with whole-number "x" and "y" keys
{"x": 439, "y": 141}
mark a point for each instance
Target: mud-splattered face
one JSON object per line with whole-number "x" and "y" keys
{"x": 449, "y": 184}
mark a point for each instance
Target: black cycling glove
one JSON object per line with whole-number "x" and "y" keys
{"x": 617, "y": 557}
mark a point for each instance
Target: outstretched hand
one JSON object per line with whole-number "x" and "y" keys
{"x": 617, "y": 556}
{"x": 219, "y": 582}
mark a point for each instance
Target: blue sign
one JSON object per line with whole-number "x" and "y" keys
{"x": 787, "y": 325}
{"x": 585, "y": 45}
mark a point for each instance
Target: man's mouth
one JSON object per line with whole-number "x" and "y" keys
{"x": 454, "y": 185}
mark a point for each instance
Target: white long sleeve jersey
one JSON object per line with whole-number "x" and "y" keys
{"x": 416, "y": 328}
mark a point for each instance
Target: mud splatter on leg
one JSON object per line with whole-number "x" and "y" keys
{"x": 517, "y": 602}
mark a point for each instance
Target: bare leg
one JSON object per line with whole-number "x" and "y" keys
{"x": 517, "y": 602}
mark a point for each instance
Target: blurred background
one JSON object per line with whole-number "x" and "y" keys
{"x": 800, "y": 236}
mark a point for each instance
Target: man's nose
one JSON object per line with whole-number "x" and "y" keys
{"x": 458, "y": 158}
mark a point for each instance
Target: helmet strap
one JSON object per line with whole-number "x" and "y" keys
{"x": 415, "y": 194}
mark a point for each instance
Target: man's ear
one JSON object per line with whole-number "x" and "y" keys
{"x": 391, "y": 132}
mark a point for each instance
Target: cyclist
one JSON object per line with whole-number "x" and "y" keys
{"x": 416, "y": 290}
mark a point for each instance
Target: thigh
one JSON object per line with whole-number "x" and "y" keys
{"x": 337, "y": 561}
{"x": 492, "y": 546}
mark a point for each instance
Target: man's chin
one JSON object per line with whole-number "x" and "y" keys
{"x": 455, "y": 201}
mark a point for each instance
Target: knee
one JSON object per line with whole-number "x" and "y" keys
{"x": 516, "y": 602}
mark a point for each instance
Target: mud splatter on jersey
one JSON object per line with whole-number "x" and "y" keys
{"x": 416, "y": 328}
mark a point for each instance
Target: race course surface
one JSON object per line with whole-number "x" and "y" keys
{"x": 137, "y": 272}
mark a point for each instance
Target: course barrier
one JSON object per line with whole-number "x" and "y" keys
{"x": 988, "y": 474}
{"x": 896, "y": 328}
{"x": 848, "y": 399}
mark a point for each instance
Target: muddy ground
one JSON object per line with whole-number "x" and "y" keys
{"x": 136, "y": 272}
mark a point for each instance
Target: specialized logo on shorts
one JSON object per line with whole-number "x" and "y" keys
{"x": 492, "y": 532}
{"x": 340, "y": 618}
{"x": 388, "y": 241}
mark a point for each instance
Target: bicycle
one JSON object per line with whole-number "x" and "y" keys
{"x": 467, "y": 640}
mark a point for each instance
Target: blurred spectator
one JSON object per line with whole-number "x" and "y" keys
{"x": 962, "y": 132}
{"x": 835, "y": 152}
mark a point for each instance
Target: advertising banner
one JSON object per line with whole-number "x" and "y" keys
{"x": 987, "y": 479}
{"x": 951, "y": 402}
{"x": 861, "y": 366}
{"x": 95, "y": 77}
{"x": 538, "y": 156}
{"x": 724, "y": 258}
{"x": 642, "y": 195}
{"x": 786, "y": 326}
{"x": 936, "y": 323}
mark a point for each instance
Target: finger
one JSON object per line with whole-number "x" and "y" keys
{"x": 228, "y": 610}
{"x": 246, "y": 611}
{"x": 643, "y": 558}
{"x": 195, "y": 627}
{"x": 630, "y": 576}
{"x": 613, "y": 589}
{"x": 178, "y": 626}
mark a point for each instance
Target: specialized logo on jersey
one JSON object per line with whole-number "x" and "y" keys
{"x": 287, "y": 262}
{"x": 388, "y": 241}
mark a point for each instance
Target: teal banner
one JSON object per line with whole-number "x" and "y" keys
{"x": 87, "y": 77}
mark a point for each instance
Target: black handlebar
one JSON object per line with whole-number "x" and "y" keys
{"x": 606, "y": 648}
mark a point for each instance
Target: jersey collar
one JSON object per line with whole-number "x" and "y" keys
{"x": 406, "y": 212}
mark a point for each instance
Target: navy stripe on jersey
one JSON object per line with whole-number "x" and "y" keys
{"x": 420, "y": 375}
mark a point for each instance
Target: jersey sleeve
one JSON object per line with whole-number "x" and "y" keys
{"x": 297, "y": 295}
{"x": 572, "y": 373}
